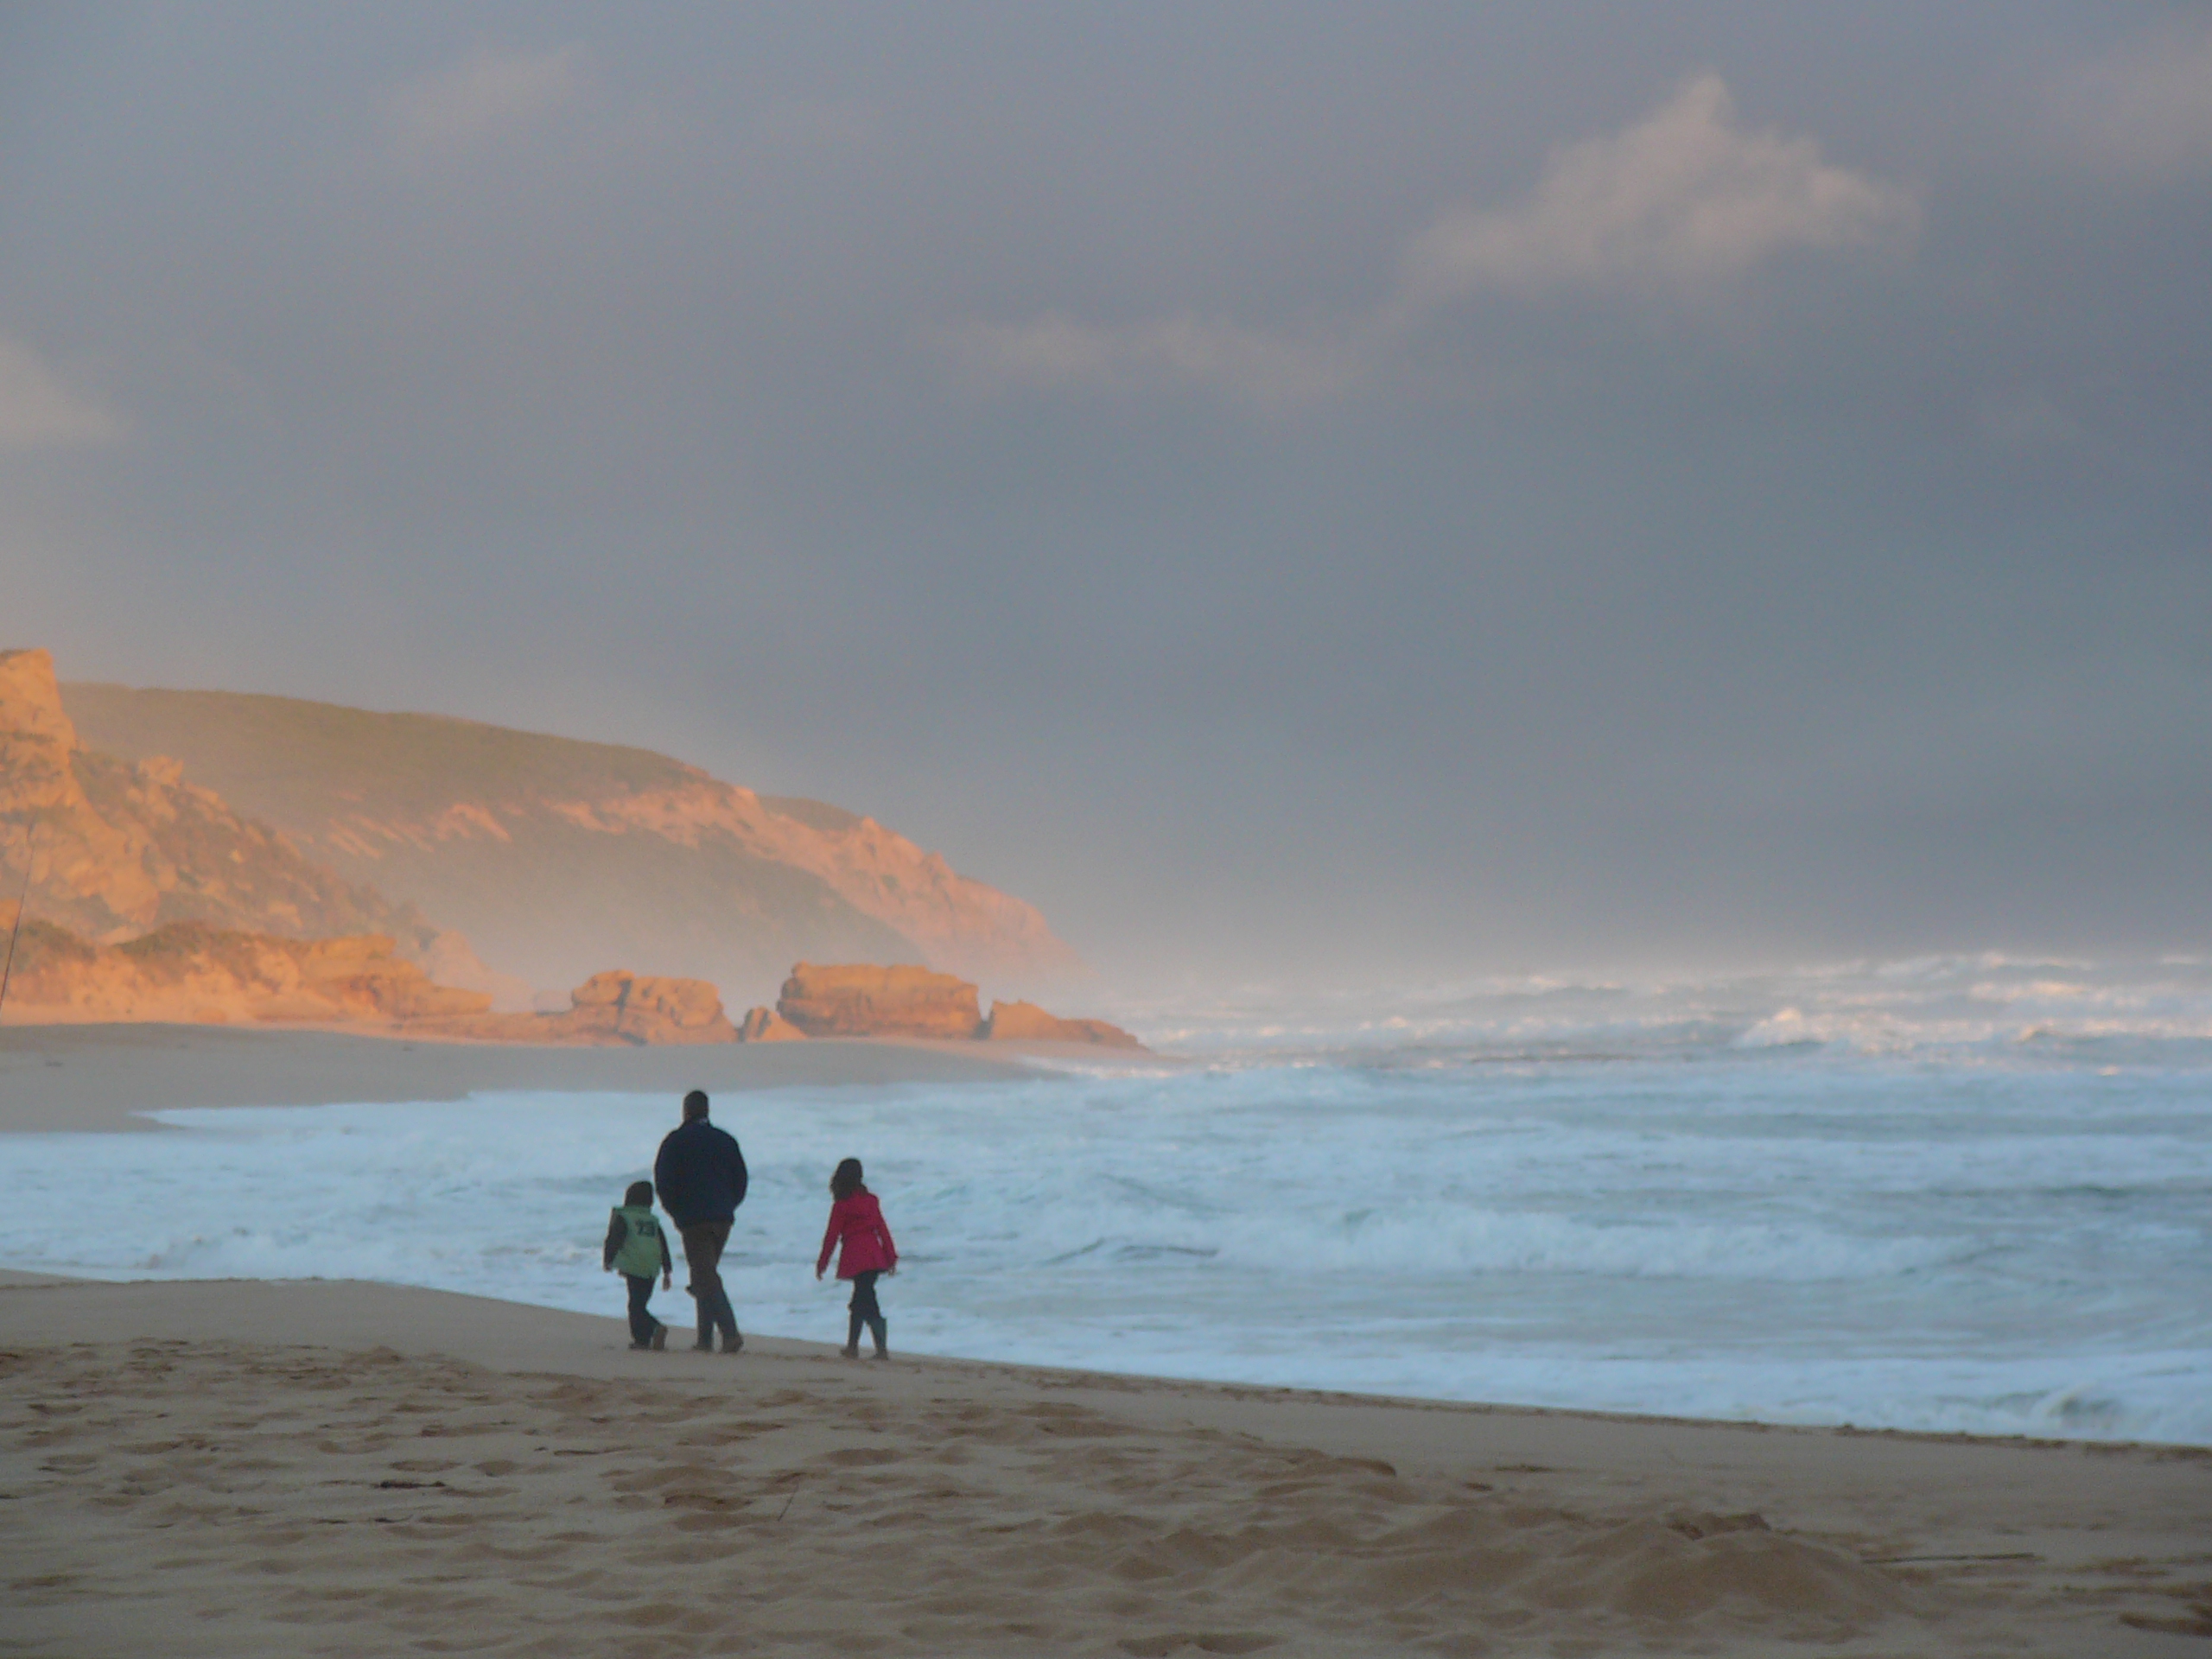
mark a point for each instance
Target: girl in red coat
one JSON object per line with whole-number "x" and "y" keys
{"x": 856, "y": 1223}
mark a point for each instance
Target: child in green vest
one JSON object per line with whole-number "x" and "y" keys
{"x": 639, "y": 1248}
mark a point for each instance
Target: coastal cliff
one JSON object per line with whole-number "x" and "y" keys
{"x": 153, "y": 897}
{"x": 189, "y": 973}
{"x": 552, "y": 855}
{"x": 119, "y": 849}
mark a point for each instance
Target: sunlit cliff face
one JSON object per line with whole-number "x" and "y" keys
{"x": 554, "y": 856}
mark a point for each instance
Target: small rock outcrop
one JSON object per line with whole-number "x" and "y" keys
{"x": 863, "y": 999}
{"x": 766, "y": 1026}
{"x": 1026, "y": 1021}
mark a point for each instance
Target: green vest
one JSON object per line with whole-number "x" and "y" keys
{"x": 641, "y": 1255}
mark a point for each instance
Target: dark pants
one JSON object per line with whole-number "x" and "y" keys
{"x": 641, "y": 1321}
{"x": 702, "y": 1253}
{"x": 864, "y": 1311}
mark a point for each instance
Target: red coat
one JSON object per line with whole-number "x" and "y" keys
{"x": 857, "y": 1223}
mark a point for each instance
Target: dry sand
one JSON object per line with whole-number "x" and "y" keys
{"x": 241, "y": 1469}
{"x": 310, "y": 1468}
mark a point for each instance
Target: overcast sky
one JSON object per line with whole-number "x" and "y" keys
{"x": 1355, "y": 491}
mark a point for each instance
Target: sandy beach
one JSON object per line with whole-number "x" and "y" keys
{"x": 335, "y": 1468}
{"x": 244, "y": 1467}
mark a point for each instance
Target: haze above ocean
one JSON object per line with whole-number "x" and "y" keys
{"x": 1959, "y": 1193}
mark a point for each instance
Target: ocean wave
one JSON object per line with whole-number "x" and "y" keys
{"x": 2154, "y": 1011}
{"x": 1807, "y": 1235}
{"x": 1428, "y": 1242}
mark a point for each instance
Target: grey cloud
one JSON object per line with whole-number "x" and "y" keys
{"x": 1683, "y": 203}
{"x": 1685, "y": 199}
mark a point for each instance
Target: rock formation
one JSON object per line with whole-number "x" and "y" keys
{"x": 151, "y": 898}
{"x": 1021, "y": 1021}
{"x": 553, "y": 854}
{"x": 191, "y": 973}
{"x": 766, "y": 1026}
{"x": 640, "y": 1008}
{"x": 118, "y": 849}
{"x": 863, "y": 999}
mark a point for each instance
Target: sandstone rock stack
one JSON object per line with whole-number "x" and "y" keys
{"x": 640, "y": 1008}
{"x": 864, "y": 1000}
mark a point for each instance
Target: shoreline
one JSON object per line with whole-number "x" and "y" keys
{"x": 98, "y": 1078}
{"x": 357, "y": 1433}
{"x": 1088, "y": 1377}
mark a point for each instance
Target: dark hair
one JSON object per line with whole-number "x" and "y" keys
{"x": 847, "y": 1180}
{"x": 640, "y": 1192}
{"x": 695, "y": 1105}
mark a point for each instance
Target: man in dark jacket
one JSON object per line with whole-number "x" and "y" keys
{"x": 701, "y": 1175}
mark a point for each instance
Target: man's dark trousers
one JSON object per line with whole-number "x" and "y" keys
{"x": 702, "y": 1255}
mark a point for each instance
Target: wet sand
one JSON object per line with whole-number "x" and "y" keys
{"x": 98, "y": 1077}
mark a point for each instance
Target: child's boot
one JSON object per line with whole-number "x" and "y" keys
{"x": 660, "y": 1336}
{"x": 877, "y": 1326}
{"x": 852, "y": 1348}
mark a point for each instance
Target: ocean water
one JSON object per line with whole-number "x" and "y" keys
{"x": 1963, "y": 1194}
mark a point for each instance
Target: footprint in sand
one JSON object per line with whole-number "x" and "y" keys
{"x": 1158, "y": 1647}
{"x": 861, "y": 1457}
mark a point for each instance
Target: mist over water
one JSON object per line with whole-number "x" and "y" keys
{"x": 1964, "y": 1193}
{"x": 1982, "y": 1008}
